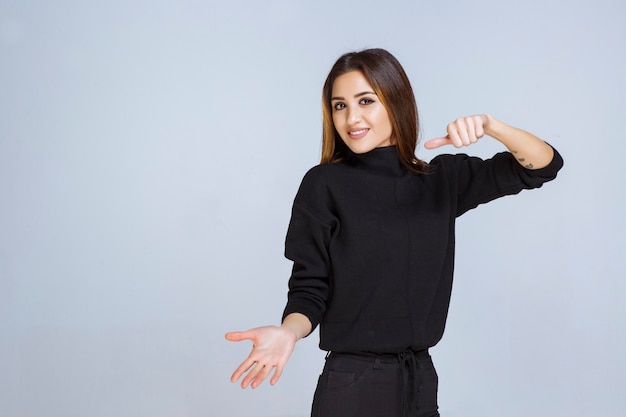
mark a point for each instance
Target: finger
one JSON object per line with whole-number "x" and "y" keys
{"x": 454, "y": 136}
{"x": 277, "y": 374}
{"x": 233, "y": 336}
{"x": 264, "y": 373}
{"x": 239, "y": 336}
{"x": 243, "y": 368}
{"x": 471, "y": 129}
{"x": 252, "y": 375}
{"x": 480, "y": 127}
{"x": 461, "y": 127}
{"x": 437, "y": 142}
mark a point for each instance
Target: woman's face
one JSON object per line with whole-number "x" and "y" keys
{"x": 358, "y": 115}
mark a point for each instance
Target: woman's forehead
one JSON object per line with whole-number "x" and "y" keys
{"x": 350, "y": 84}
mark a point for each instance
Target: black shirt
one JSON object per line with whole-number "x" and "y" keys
{"x": 373, "y": 244}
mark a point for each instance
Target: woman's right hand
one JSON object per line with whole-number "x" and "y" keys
{"x": 271, "y": 348}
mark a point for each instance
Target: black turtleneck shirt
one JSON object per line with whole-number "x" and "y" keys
{"x": 372, "y": 244}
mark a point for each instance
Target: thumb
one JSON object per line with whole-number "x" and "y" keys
{"x": 437, "y": 142}
{"x": 238, "y": 336}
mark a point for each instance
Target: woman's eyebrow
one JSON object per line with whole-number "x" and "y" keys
{"x": 355, "y": 96}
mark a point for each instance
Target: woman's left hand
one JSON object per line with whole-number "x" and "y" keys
{"x": 462, "y": 132}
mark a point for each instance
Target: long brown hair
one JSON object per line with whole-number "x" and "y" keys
{"x": 393, "y": 88}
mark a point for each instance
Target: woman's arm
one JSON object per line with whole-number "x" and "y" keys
{"x": 306, "y": 245}
{"x": 530, "y": 151}
{"x": 271, "y": 348}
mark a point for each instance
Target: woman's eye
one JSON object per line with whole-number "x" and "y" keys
{"x": 366, "y": 101}
{"x": 339, "y": 106}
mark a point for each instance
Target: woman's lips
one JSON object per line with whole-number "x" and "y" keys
{"x": 358, "y": 133}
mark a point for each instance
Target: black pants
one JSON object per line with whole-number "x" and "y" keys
{"x": 371, "y": 385}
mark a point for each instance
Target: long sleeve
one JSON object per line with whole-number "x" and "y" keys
{"x": 478, "y": 181}
{"x": 310, "y": 230}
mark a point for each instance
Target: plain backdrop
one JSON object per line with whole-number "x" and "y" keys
{"x": 149, "y": 156}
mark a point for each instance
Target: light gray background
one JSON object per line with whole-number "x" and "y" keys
{"x": 150, "y": 152}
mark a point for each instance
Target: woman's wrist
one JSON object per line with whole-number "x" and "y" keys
{"x": 298, "y": 324}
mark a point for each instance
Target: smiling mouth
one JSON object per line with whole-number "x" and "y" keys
{"x": 356, "y": 134}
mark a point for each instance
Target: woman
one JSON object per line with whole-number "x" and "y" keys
{"x": 372, "y": 241}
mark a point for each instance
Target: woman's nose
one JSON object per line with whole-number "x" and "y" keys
{"x": 354, "y": 115}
